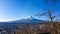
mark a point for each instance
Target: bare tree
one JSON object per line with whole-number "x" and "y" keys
{"x": 49, "y": 14}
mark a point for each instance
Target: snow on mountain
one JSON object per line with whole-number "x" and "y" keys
{"x": 29, "y": 19}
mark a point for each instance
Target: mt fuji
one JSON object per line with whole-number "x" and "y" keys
{"x": 29, "y": 19}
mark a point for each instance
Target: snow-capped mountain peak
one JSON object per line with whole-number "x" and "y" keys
{"x": 28, "y": 17}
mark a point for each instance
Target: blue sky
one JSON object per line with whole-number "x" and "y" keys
{"x": 17, "y": 9}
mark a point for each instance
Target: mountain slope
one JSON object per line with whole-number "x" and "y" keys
{"x": 29, "y": 19}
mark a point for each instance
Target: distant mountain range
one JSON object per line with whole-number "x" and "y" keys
{"x": 28, "y": 19}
